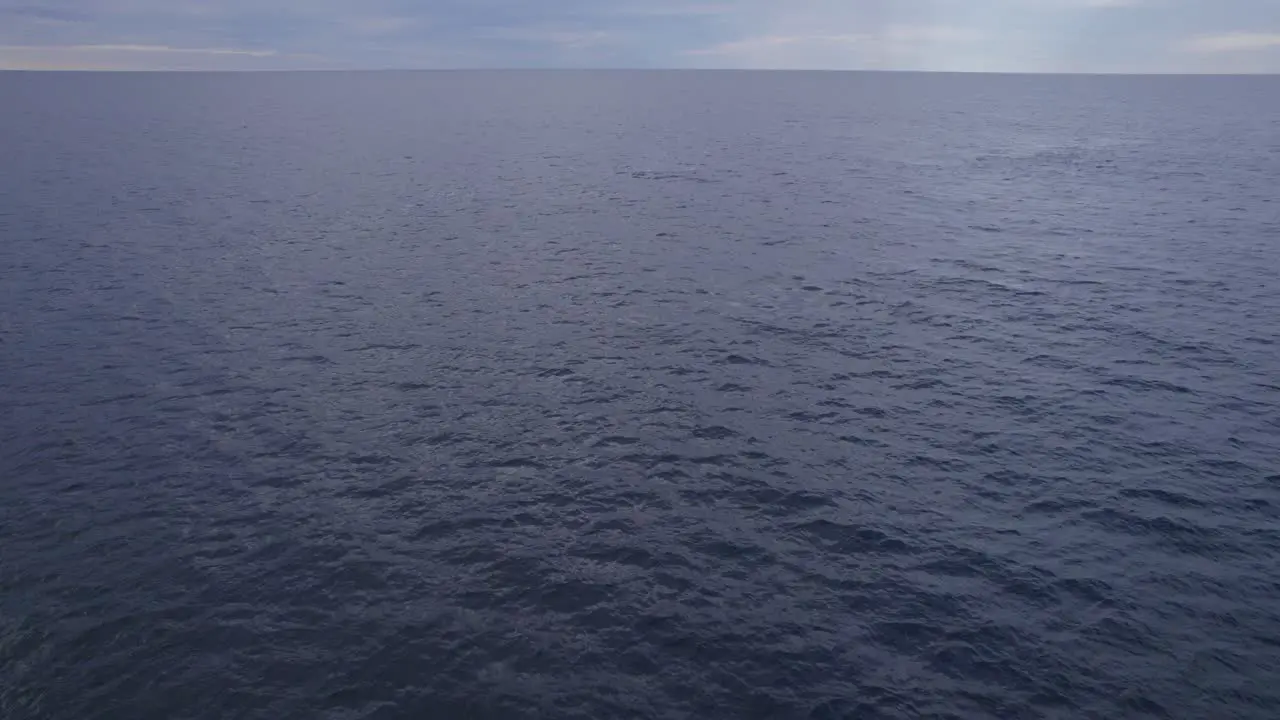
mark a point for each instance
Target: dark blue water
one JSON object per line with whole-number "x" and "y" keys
{"x": 628, "y": 395}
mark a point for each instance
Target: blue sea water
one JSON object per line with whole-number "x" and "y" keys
{"x": 639, "y": 395}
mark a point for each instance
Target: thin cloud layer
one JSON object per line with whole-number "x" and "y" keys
{"x": 964, "y": 35}
{"x": 1235, "y": 42}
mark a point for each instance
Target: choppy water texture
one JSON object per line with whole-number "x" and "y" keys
{"x": 524, "y": 395}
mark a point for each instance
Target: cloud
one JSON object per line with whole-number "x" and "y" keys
{"x": 765, "y": 42}
{"x": 676, "y": 10}
{"x": 894, "y": 46}
{"x": 902, "y": 35}
{"x": 558, "y": 36}
{"x": 39, "y": 14}
{"x": 159, "y": 49}
{"x": 1006, "y": 35}
{"x": 1233, "y": 42}
{"x": 384, "y": 25}
{"x": 147, "y": 57}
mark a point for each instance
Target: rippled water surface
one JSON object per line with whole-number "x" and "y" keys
{"x": 629, "y": 395}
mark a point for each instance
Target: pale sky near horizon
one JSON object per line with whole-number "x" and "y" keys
{"x": 1130, "y": 36}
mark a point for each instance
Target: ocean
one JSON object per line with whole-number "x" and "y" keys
{"x": 639, "y": 395}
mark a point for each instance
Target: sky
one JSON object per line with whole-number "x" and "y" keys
{"x": 1125, "y": 36}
